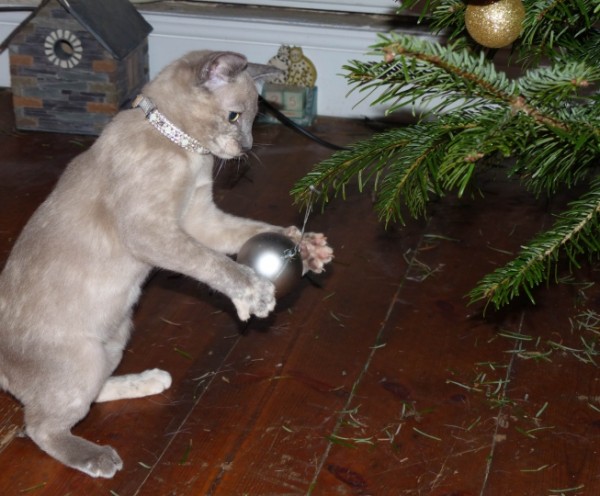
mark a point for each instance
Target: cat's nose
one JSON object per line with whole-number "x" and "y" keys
{"x": 246, "y": 146}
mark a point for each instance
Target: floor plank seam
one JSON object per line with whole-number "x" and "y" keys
{"x": 495, "y": 439}
{"x": 236, "y": 447}
{"x": 187, "y": 416}
{"x": 378, "y": 343}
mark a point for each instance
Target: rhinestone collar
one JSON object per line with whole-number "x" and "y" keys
{"x": 167, "y": 128}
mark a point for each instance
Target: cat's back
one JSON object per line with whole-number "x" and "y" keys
{"x": 74, "y": 220}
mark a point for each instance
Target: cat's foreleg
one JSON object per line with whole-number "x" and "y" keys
{"x": 227, "y": 233}
{"x": 220, "y": 231}
{"x": 171, "y": 248}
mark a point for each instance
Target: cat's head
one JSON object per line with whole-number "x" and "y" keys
{"x": 213, "y": 97}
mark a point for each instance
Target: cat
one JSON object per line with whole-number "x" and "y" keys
{"x": 135, "y": 200}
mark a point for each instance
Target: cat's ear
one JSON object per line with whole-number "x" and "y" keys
{"x": 261, "y": 72}
{"x": 220, "y": 68}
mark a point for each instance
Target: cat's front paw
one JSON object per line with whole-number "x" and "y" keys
{"x": 314, "y": 250}
{"x": 255, "y": 298}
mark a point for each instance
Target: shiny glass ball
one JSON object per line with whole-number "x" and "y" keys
{"x": 275, "y": 257}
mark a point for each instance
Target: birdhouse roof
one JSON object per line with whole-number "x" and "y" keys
{"x": 116, "y": 24}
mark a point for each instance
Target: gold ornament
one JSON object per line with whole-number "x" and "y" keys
{"x": 494, "y": 23}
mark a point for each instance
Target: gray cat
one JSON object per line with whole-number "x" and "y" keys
{"x": 140, "y": 197}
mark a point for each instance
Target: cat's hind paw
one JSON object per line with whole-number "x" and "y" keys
{"x": 103, "y": 462}
{"x": 149, "y": 382}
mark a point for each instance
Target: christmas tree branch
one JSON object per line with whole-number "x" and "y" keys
{"x": 574, "y": 233}
{"x": 368, "y": 156}
{"x": 415, "y": 70}
{"x": 413, "y": 175}
{"x": 549, "y": 23}
{"x": 407, "y": 159}
{"x": 547, "y": 121}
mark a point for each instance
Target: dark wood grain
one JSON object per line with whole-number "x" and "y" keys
{"x": 376, "y": 378}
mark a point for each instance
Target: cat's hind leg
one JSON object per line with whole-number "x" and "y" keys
{"x": 149, "y": 382}
{"x": 54, "y": 437}
{"x": 49, "y": 417}
{"x": 57, "y": 390}
{"x": 129, "y": 386}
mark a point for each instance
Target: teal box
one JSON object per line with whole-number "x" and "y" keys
{"x": 296, "y": 102}
{"x": 293, "y": 102}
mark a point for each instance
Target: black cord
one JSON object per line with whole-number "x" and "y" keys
{"x": 284, "y": 119}
{"x": 16, "y": 8}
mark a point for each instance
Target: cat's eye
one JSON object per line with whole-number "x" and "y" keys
{"x": 233, "y": 117}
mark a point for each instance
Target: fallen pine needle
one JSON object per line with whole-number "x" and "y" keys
{"x": 184, "y": 354}
{"x": 342, "y": 442}
{"x": 186, "y": 455}
{"x": 167, "y": 321}
{"x": 33, "y": 488}
{"x": 514, "y": 335}
{"x": 541, "y": 410}
{"x": 594, "y": 407}
{"x": 439, "y": 236}
{"x": 567, "y": 490}
{"x": 464, "y": 386}
{"x": 424, "y": 434}
{"x": 539, "y": 469}
{"x": 499, "y": 250}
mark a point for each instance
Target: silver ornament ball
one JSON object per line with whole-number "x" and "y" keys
{"x": 275, "y": 257}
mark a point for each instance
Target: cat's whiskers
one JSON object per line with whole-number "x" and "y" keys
{"x": 219, "y": 165}
{"x": 261, "y": 145}
{"x": 253, "y": 156}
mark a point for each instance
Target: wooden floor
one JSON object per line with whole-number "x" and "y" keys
{"x": 374, "y": 379}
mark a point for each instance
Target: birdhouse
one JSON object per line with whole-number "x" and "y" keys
{"x": 75, "y": 63}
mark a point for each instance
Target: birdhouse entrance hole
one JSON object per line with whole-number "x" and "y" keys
{"x": 63, "y": 48}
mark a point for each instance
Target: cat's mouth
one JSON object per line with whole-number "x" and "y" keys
{"x": 224, "y": 156}
{"x": 229, "y": 148}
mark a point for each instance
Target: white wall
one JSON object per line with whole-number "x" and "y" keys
{"x": 329, "y": 47}
{"x": 8, "y": 22}
{"x": 370, "y": 6}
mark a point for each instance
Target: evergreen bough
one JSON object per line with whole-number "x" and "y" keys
{"x": 543, "y": 126}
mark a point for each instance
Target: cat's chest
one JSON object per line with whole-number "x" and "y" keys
{"x": 201, "y": 171}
